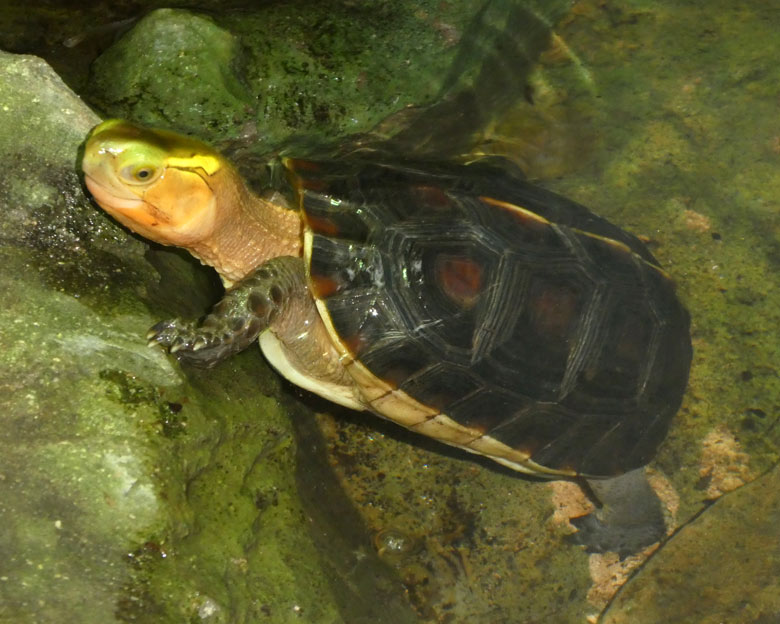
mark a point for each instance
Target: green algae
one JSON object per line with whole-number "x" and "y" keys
{"x": 130, "y": 490}
{"x": 230, "y": 547}
{"x": 76, "y": 489}
{"x": 735, "y": 580}
{"x": 308, "y": 73}
{"x": 173, "y": 55}
{"x": 681, "y": 102}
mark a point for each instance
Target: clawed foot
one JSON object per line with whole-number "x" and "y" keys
{"x": 237, "y": 320}
{"x": 201, "y": 346}
{"x": 173, "y": 335}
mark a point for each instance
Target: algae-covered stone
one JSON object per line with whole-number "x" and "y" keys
{"x": 174, "y": 56}
{"x": 320, "y": 71}
{"x": 130, "y": 491}
{"x": 723, "y": 567}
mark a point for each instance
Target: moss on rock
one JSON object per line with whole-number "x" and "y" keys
{"x": 130, "y": 490}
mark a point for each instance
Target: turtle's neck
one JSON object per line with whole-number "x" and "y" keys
{"x": 248, "y": 230}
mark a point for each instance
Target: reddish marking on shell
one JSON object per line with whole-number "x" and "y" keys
{"x": 323, "y": 287}
{"x": 631, "y": 341}
{"x": 313, "y": 184}
{"x": 354, "y": 344}
{"x": 323, "y": 225}
{"x": 554, "y": 310}
{"x": 460, "y": 278}
{"x": 432, "y": 196}
{"x": 302, "y": 165}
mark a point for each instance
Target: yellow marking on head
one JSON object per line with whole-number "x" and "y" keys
{"x": 122, "y": 139}
{"x": 208, "y": 163}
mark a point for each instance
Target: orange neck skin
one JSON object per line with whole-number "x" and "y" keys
{"x": 248, "y": 230}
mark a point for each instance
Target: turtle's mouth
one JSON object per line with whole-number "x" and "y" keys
{"x": 132, "y": 211}
{"x": 108, "y": 200}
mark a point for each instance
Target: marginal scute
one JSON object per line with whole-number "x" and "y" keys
{"x": 444, "y": 428}
{"x": 403, "y": 408}
{"x": 494, "y": 315}
{"x": 323, "y": 218}
{"x": 526, "y": 217}
{"x": 323, "y": 286}
{"x": 487, "y": 407}
{"x": 372, "y": 388}
{"x": 395, "y": 360}
{"x": 323, "y": 226}
{"x": 441, "y": 384}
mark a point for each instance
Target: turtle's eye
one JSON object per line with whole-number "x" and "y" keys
{"x": 139, "y": 174}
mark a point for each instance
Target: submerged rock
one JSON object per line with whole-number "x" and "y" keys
{"x": 316, "y": 72}
{"x": 723, "y": 567}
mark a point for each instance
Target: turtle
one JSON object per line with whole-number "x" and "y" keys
{"x": 458, "y": 300}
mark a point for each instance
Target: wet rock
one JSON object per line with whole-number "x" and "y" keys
{"x": 306, "y": 73}
{"x": 722, "y": 567}
{"x": 473, "y": 542}
{"x": 130, "y": 489}
{"x": 174, "y": 56}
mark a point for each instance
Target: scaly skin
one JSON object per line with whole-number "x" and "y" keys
{"x": 178, "y": 191}
{"x": 237, "y": 320}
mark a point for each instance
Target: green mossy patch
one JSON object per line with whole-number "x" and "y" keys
{"x": 174, "y": 56}
{"x": 130, "y": 490}
{"x": 310, "y": 73}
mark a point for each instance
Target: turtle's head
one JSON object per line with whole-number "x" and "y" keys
{"x": 160, "y": 184}
{"x": 178, "y": 191}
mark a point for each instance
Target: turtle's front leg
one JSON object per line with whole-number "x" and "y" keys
{"x": 244, "y": 312}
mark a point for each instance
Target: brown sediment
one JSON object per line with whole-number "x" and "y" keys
{"x": 724, "y": 465}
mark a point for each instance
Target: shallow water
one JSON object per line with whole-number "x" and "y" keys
{"x": 663, "y": 119}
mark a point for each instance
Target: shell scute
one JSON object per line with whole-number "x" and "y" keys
{"x": 519, "y": 321}
{"x": 441, "y": 384}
